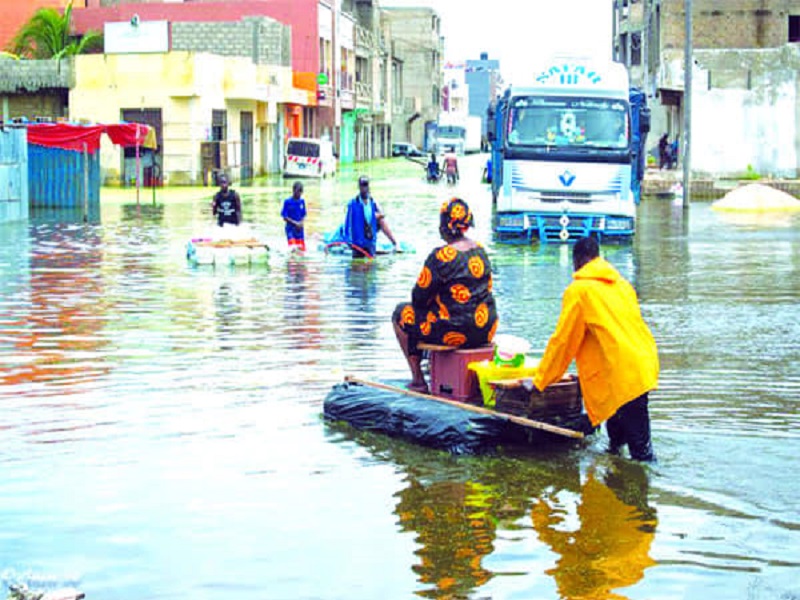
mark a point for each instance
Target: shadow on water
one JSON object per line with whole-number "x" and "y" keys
{"x": 588, "y": 525}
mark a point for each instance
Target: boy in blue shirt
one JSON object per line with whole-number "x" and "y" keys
{"x": 294, "y": 213}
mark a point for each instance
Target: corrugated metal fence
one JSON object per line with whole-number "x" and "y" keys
{"x": 58, "y": 178}
{"x": 13, "y": 175}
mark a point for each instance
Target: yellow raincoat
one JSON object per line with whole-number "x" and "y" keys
{"x": 601, "y": 327}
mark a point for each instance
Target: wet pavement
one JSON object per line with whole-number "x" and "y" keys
{"x": 162, "y": 435}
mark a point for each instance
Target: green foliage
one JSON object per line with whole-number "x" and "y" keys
{"x": 46, "y": 35}
{"x": 751, "y": 174}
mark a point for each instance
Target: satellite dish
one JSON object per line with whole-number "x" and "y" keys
{"x": 135, "y": 21}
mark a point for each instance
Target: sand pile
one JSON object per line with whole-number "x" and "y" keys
{"x": 756, "y": 197}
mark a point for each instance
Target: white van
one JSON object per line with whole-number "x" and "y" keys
{"x": 308, "y": 157}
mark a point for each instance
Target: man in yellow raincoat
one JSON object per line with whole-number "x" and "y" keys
{"x": 601, "y": 327}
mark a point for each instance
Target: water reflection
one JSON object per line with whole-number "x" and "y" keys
{"x": 228, "y": 310}
{"x": 302, "y": 302}
{"x": 605, "y": 546}
{"x": 57, "y": 334}
{"x": 596, "y": 518}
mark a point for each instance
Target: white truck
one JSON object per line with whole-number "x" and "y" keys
{"x": 567, "y": 154}
{"x": 451, "y": 133}
{"x": 472, "y": 139}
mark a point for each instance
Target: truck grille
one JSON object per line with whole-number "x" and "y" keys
{"x": 577, "y": 197}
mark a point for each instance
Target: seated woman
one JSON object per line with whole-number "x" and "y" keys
{"x": 452, "y": 302}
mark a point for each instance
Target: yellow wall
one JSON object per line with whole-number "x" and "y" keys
{"x": 186, "y": 86}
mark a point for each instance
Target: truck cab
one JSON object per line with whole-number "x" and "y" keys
{"x": 568, "y": 154}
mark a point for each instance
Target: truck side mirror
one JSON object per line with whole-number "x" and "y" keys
{"x": 644, "y": 120}
{"x": 490, "y": 135}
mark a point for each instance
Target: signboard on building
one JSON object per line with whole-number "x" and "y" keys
{"x": 136, "y": 37}
{"x": 346, "y": 36}
{"x": 325, "y": 16}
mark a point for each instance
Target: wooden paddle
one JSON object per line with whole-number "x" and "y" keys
{"x": 571, "y": 433}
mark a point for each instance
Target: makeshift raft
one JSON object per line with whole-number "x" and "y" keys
{"x": 520, "y": 417}
{"x": 226, "y": 252}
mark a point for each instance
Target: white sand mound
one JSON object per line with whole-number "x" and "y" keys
{"x": 756, "y": 197}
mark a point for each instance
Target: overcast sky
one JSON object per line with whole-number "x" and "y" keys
{"x": 517, "y": 32}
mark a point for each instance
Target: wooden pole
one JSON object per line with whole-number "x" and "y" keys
{"x": 563, "y": 431}
{"x": 85, "y": 182}
{"x": 688, "y": 62}
{"x": 138, "y": 165}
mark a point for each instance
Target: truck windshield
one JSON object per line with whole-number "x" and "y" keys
{"x": 568, "y": 122}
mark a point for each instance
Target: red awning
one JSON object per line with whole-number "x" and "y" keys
{"x": 73, "y": 137}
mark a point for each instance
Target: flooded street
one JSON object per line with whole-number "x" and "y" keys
{"x": 162, "y": 433}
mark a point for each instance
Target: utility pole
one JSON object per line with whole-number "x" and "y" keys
{"x": 687, "y": 102}
{"x": 644, "y": 44}
{"x": 628, "y": 39}
{"x": 615, "y": 33}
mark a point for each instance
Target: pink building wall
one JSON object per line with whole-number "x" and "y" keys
{"x": 301, "y": 15}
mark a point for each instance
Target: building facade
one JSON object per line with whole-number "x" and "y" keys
{"x": 418, "y": 44}
{"x": 746, "y": 89}
{"x": 484, "y": 83}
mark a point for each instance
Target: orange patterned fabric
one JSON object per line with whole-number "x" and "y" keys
{"x": 482, "y": 315}
{"x": 425, "y": 278}
{"x": 455, "y": 217}
{"x": 447, "y": 254}
{"x": 453, "y": 338}
{"x": 452, "y": 302}
{"x": 460, "y": 293}
{"x": 476, "y": 267}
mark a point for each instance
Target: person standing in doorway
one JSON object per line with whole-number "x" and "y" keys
{"x": 663, "y": 152}
{"x": 294, "y": 213}
{"x": 226, "y": 206}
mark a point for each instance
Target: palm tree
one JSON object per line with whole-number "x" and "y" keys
{"x": 46, "y": 35}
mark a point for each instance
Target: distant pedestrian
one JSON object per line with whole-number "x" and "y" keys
{"x": 673, "y": 154}
{"x": 451, "y": 167}
{"x": 663, "y": 152}
{"x": 294, "y": 213}
{"x": 226, "y": 206}
{"x": 363, "y": 221}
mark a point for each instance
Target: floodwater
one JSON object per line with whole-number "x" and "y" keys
{"x": 162, "y": 437}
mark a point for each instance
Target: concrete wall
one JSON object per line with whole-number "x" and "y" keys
{"x": 745, "y": 110}
{"x": 264, "y": 40}
{"x": 728, "y": 23}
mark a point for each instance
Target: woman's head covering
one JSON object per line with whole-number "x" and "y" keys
{"x": 455, "y": 217}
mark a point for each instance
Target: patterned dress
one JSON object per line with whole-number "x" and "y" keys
{"x": 452, "y": 302}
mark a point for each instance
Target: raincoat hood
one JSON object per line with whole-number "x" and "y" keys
{"x": 599, "y": 269}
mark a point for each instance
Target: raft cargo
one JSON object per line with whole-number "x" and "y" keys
{"x": 453, "y": 416}
{"x": 206, "y": 251}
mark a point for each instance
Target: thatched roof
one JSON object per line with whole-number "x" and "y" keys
{"x": 20, "y": 76}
